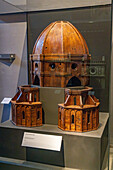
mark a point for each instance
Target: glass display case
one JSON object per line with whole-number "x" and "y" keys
{"x": 94, "y": 24}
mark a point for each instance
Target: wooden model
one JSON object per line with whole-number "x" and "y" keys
{"x": 60, "y": 56}
{"x": 80, "y": 112}
{"x": 26, "y": 108}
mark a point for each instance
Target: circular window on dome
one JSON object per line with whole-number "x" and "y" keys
{"x": 52, "y": 65}
{"x": 74, "y": 65}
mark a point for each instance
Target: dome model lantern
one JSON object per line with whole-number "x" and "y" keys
{"x": 58, "y": 48}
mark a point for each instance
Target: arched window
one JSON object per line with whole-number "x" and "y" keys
{"x": 60, "y": 115}
{"x": 72, "y": 119}
{"x": 23, "y": 115}
{"x": 38, "y": 114}
{"x": 74, "y": 81}
{"x": 74, "y": 65}
{"x": 88, "y": 118}
{"x": 34, "y": 97}
{"x": 36, "y": 65}
{"x": 36, "y": 80}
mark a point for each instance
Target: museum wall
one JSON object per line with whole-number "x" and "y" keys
{"x": 13, "y": 40}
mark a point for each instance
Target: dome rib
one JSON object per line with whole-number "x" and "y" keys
{"x": 47, "y": 36}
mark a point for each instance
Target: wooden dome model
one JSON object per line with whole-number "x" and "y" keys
{"x": 26, "y": 108}
{"x": 80, "y": 112}
{"x": 59, "y": 54}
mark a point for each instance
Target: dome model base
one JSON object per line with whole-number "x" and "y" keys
{"x": 80, "y": 112}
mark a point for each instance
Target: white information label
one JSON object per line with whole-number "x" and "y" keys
{"x": 34, "y": 140}
{"x": 6, "y": 100}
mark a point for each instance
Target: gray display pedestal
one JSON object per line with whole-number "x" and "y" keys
{"x": 79, "y": 150}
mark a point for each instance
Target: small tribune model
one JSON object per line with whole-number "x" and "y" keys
{"x": 80, "y": 112}
{"x": 26, "y": 108}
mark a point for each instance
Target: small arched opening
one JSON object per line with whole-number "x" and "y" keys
{"x": 23, "y": 115}
{"x": 38, "y": 114}
{"x": 74, "y": 81}
{"x": 72, "y": 119}
{"x": 36, "y": 81}
{"x": 34, "y": 97}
